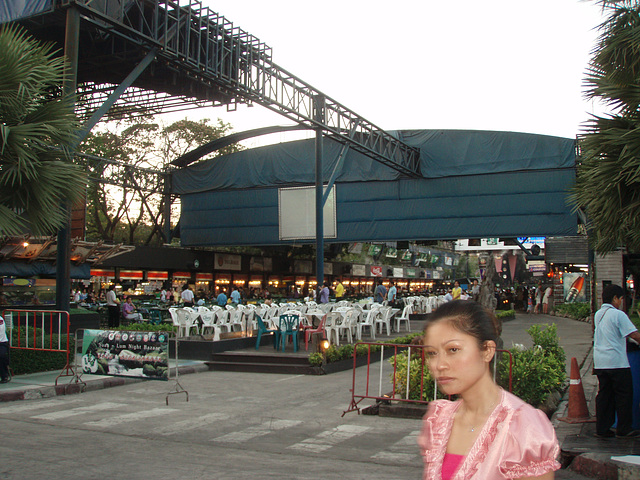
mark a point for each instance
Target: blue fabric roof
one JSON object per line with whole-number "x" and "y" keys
{"x": 476, "y": 184}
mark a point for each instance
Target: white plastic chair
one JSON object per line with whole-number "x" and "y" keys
{"x": 222, "y": 319}
{"x": 235, "y": 319}
{"x": 384, "y": 319}
{"x": 208, "y": 322}
{"x": 184, "y": 319}
{"x": 368, "y": 322}
{"x": 408, "y": 310}
{"x": 332, "y": 323}
{"x": 192, "y": 320}
{"x": 347, "y": 325}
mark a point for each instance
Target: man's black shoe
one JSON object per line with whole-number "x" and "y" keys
{"x": 607, "y": 434}
{"x": 5, "y": 380}
{"x": 631, "y": 434}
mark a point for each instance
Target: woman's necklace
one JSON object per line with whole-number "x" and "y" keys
{"x": 487, "y": 412}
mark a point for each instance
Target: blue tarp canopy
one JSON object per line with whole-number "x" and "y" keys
{"x": 24, "y": 270}
{"x": 474, "y": 184}
{"x": 11, "y": 10}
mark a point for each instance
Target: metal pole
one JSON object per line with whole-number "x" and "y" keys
{"x": 167, "y": 207}
{"x": 63, "y": 253}
{"x": 319, "y": 116}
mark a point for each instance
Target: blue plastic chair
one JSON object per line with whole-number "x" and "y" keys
{"x": 155, "y": 317}
{"x": 262, "y": 328}
{"x": 289, "y": 325}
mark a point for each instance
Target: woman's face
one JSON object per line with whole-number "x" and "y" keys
{"x": 454, "y": 358}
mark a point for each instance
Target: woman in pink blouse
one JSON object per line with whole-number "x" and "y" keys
{"x": 487, "y": 433}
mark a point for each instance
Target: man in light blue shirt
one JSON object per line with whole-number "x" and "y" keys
{"x": 221, "y": 299}
{"x": 235, "y": 296}
{"x": 611, "y": 365}
{"x": 380, "y": 293}
{"x": 391, "y": 294}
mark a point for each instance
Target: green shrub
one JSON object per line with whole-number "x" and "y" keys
{"x": 420, "y": 379}
{"x": 505, "y": 314}
{"x": 315, "y": 359}
{"x": 32, "y": 361}
{"x": 577, "y": 311}
{"x": 335, "y": 354}
{"x": 537, "y": 371}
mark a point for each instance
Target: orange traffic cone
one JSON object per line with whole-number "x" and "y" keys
{"x": 578, "y": 412}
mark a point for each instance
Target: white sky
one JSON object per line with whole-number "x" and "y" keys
{"x": 423, "y": 64}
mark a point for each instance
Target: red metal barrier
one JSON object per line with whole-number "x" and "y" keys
{"x": 394, "y": 395}
{"x": 41, "y": 330}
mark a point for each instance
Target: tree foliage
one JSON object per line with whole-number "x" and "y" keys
{"x": 608, "y": 180}
{"x": 125, "y": 202}
{"x": 36, "y": 123}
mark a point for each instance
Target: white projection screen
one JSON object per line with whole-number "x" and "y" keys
{"x": 297, "y": 213}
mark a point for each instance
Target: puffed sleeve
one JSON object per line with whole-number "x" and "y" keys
{"x": 531, "y": 447}
{"x": 425, "y": 439}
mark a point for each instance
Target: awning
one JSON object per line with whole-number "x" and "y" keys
{"x": 20, "y": 269}
{"x": 181, "y": 275}
{"x": 155, "y": 275}
{"x": 131, "y": 275}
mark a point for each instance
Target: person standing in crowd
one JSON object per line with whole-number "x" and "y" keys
{"x": 235, "y": 296}
{"x": 129, "y": 311}
{"x": 339, "y": 291}
{"x": 187, "y": 296}
{"x": 448, "y": 296}
{"x": 545, "y": 300}
{"x": 456, "y": 291}
{"x": 611, "y": 365}
{"x": 113, "y": 307}
{"x": 539, "y": 293}
{"x": 487, "y": 433}
{"x": 475, "y": 290}
{"x": 221, "y": 299}
{"x": 5, "y": 375}
{"x": 391, "y": 294}
{"x": 380, "y": 293}
{"x": 530, "y": 300}
{"x": 324, "y": 293}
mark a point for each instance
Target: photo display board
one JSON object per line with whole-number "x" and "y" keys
{"x": 126, "y": 353}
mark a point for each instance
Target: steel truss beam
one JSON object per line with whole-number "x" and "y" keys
{"x": 215, "y": 62}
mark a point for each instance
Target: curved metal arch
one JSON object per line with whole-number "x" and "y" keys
{"x": 197, "y": 153}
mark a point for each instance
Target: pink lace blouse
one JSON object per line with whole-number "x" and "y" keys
{"x": 516, "y": 441}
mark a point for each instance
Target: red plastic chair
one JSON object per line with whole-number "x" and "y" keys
{"x": 310, "y": 331}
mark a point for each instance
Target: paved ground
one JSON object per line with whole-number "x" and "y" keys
{"x": 234, "y": 426}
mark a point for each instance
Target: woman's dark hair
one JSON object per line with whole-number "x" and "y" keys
{"x": 468, "y": 317}
{"x": 611, "y": 291}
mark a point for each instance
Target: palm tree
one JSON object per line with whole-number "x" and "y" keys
{"x": 608, "y": 180}
{"x": 36, "y": 123}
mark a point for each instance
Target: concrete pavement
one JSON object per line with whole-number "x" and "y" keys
{"x": 250, "y": 422}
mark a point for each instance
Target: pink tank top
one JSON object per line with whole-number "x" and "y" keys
{"x": 450, "y": 465}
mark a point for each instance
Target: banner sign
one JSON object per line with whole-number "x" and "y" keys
{"x": 391, "y": 252}
{"x": 359, "y": 270}
{"x": 406, "y": 255}
{"x": 355, "y": 248}
{"x": 224, "y": 261}
{"x": 374, "y": 249}
{"x": 126, "y": 353}
{"x": 375, "y": 271}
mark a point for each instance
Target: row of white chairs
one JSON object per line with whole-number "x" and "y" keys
{"x": 342, "y": 318}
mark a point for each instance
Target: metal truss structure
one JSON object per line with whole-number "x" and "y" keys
{"x": 199, "y": 58}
